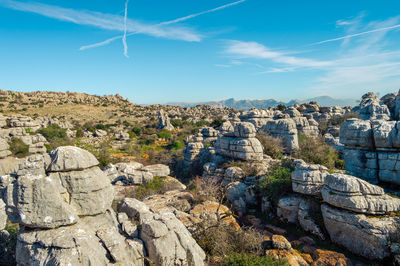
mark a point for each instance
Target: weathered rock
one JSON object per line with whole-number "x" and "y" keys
{"x": 92, "y": 241}
{"x": 245, "y": 147}
{"x": 354, "y": 194}
{"x": 163, "y": 121}
{"x": 356, "y": 133}
{"x": 40, "y": 202}
{"x": 371, "y": 108}
{"x": 3, "y": 215}
{"x": 362, "y": 235}
{"x": 308, "y": 178}
{"x": 89, "y": 190}
{"x": 284, "y": 129}
{"x": 159, "y": 170}
{"x": 70, "y": 158}
{"x": 280, "y": 242}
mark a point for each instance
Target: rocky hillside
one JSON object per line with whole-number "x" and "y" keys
{"x": 166, "y": 185}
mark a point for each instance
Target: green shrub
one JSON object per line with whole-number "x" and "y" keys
{"x": 281, "y": 107}
{"x": 79, "y": 133}
{"x": 314, "y": 150}
{"x": 137, "y": 131}
{"x": 53, "y": 131}
{"x": 150, "y": 188}
{"x": 164, "y": 134}
{"x": 272, "y": 146}
{"x": 217, "y": 122}
{"x": 8, "y": 245}
{"x": 243, "y": 259}
{"x": 277, "y": 183}
{"x": 177, "y": 123}
{"x": 18, "y": 147}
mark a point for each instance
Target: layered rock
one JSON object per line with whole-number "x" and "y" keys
{"x": 366, "y": 236}
{"x": 163, "y": 121}
{"x": 284, "y": 129}
{"x": 371, "y": 108}
{"x": 167, "y": 240}
{"x": 351, "y": 193}
{"x": 372, "y": 149}
{"x": 4, "y": 149}
{"x": 308, "y": 178}
{"x": 65, "y": 215}
{"x": 241, "y": 144}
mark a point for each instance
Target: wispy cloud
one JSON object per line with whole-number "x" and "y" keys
{"x": 370, "y": 61}
{"x": 125, "y": 29}
{"x": 351, "y": 28}
{"x": 104, "y": 21}
{"x": 256, "y": 50}
{"x": 169, "y": 22}
{"x": 200, "y": 13}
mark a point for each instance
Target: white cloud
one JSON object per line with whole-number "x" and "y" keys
{"x": 125, "y": 30}
{"x": 256, "y": 50}
{"x": 104, "y": 21}
{"x": 163, "y": 23}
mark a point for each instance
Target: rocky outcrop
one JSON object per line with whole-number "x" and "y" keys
{"x": 362, "y": 235}
{"x": 166, "y": 239}
{"x": 301, "y": 211}
{"x": 307, "y": 178}
{"x": 351, "y": 193}
{"x": 134, "y": 173}
{"x": 4, "y": 149}
{"x": 241, "y": 144}
{"x": 63, "y": 206}
{"x": 372, "y": 149}
{"x": 163, "y": 121}
{"x": 370, "y": 107}
{"x": 284, "y": 129}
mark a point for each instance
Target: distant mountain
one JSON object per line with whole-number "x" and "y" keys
{"x": 263, "y": 104}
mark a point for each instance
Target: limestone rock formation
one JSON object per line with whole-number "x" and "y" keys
{"x": 354, "y": 194}
{"x": 166, "y": 239}
{"x": 241, "y": 144}
{"x": 362, "y": 235}
{"x": 66, "y": 216}
{"x": 163, "y": 121}
{"x": 371, "y": 108}
{"x": 284, "y": 129}
{"x": 308, "y": 178}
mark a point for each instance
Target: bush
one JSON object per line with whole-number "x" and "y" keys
{"x": 277, "y": 183}
{"x": 164, "y": 134}
{"x": 8, "y": 245}
{"x": 281, "y": 107}
{"x": 154, "y": 187}
{"x": 272, "y": 146}
{"x": 223, "y": 239}
{"x": 137, "y": 131}
{"x": 18, "y": 147}
{"x": 217, "y": 122}
{"x": 314, "y": 150}
{"x": 242, "y": 259}
{"x": 53, "y": 131}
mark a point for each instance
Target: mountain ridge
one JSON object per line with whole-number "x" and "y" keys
{"x": 246, "y": 104}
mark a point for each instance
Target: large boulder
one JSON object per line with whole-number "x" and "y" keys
{"x": 94, "y": 240}
{"x": 166, "y": 239}
{"x": 362, "y": 235}
{"x": 354, "y": 194}
{"x": 70, "y": 158}
{"x": 308, "y": 178}
{"x": 284, "y": 129}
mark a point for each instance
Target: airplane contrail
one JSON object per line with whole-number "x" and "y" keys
{"x": 357, "y": 34}
{"x": 125, "y": 29}
{"x": 108, "y": 41}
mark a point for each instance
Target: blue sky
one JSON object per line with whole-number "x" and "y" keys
{"x": 194, "y": 51}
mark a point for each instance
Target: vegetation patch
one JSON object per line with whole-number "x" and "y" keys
{"x": 18, "y": 147}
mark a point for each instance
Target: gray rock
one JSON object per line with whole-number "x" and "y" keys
{"x": 70, "y": 158}
{"x": 284, "y": 129}
{"x": 3, "y": 215}
{"x": 92, "y": 241}
{"x": 308, "y": 178}
{"x": 366, "y": 236}
{"x": 89, "y": 190}
{"x": 159, "y": 170}
{"x": 354, "y": 194}
{"x": 161, "y": 232}
{"x": 163, "y": 121}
